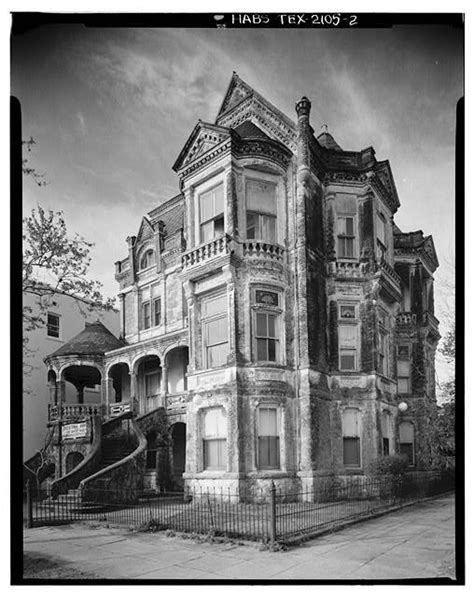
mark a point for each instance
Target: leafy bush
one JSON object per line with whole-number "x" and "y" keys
{"x": 394, "y": 466}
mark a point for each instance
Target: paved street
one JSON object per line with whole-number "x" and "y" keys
{"x": 415, "y": 542}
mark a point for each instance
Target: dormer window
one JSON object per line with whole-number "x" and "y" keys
{"x": 211, "y": 213}
{"x": 147, "y": 259}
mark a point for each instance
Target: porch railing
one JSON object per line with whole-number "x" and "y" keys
{"x": 71, "y": 412}
{"x": 119, "y": 408}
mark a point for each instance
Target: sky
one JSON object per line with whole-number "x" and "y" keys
{"x": 110, "y": 110}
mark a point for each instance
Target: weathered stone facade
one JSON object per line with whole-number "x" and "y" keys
{"x": 273, "y": 311}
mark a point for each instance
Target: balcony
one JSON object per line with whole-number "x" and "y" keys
{"x": 73, "y": 412}
{"x": 346, "y": 269}
{"x": 262, "y": 250}
{"x": 215, "y": 248}
{"x": 406, "y": 318}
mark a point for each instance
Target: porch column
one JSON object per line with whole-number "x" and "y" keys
{"x": 133, "y": 391}
{"x": 80, "y": 393}
{"x": 164, "y": 384}
{"x": 108, "y": 391}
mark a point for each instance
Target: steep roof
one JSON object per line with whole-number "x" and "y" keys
{"x": 171, "y": 213}
{"x": 95, "y": 338}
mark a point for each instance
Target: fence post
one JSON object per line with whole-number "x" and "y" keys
{"x": 29, "y": 506}
{"x": 272, "y": 512}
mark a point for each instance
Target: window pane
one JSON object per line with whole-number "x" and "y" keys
{"x": 214, "y": 423}
{"x": 53, "y": 326}
{"x": 381, "y": 229}
{"x": 219, "y": 226}
{"x": 207, "y": 232}
{"x": 271, "y": 349}
{"x": 262, "y": 354}
{"x": 214, "y": 305}
{"x": 406, "y": 450}
{"x": 351, "y": 452}
{"x": 386, "y": 446}
{"x": 268, "y": 228}
{"x": 146, "y": 315}
{"x": 206, "y": 201}
{"x": 267, "y": 421}
{"x": 347, "y": 335}
{"x": 157, "y": 311}
{"x": 252, "y": 222}
{"x": 271, "y": 326}
{"x": 347, "y": 312}
{"x": 349, "y": 247}
{"x": 403, "y": 368}
{"x": 406, "y": 432}
{"x": 347, "y": 361}
{"x": 216, "y": 331}
{"x": 262, "y": 325}
{"x": 403, "y": 352}
{"x": 214, "y": 453}
{"x": 403, "y": 385}
{"x": 261, "y": 196}
{"x": 217, "y": 355}
{"x": 350, "y": 226}
{"x": 268, "y": 452}
{"x": 350, "y": 422}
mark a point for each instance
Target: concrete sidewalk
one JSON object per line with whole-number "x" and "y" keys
{"x": 415, "y": 542}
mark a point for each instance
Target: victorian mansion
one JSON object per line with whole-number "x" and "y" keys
{"x": 276, "y": 324}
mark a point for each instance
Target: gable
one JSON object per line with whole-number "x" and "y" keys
{"x": 145, "y": 232}
{"x": 236, "y": 92}
{"x": 204, "y": 137}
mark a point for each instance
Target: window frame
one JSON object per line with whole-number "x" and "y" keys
{"x": 277, "y": 435}
{"x": 404, "y": 359}
{"x": 217, "y": 216}
{"x": 276, "y": 311}
{"x": 205, "y": 320}
{"x": 149, "y": 252}
{"x": 144, "y": 317}
{"x": 350, "y": 349}
{"x": 344, "y": 237}
{"x": 356, "y": 438}
{"x": 50, "y": 326}
{"x": 156, "y": 300}
{"x": 220, "y": 439}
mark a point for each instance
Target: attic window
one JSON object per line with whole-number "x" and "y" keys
{"x": 148, "y": 259}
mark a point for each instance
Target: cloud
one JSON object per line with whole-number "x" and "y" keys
{"x": 81, "y": 123}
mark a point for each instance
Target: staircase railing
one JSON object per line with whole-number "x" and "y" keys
{"x": 72, "y": 479}
{"x": 121, "y": 480}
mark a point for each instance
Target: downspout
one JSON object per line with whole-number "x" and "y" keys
{"x": 297, "y": 327}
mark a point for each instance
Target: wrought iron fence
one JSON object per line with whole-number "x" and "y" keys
{"x": 261, "y": 516}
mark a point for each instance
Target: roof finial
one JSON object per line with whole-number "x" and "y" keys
{"x": 324, "y": 128}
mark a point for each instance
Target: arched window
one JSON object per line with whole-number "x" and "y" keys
{"x": 407, "y": 442}
{"x": 147, "y": 259}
